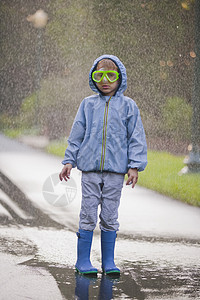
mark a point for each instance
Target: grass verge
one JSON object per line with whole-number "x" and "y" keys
{"x": 161, "y": 175}
{"x": 17, "y": 132}
{"x": 57, "y": 147}
{"x": 12, "y": 133}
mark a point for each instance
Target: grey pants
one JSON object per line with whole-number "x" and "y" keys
{"x": 102, "y": 189}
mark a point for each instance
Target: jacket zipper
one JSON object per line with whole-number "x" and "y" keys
{"x": 103, "y": 148}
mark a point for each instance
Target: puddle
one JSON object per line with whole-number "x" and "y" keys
{"x": 156, "y": 274}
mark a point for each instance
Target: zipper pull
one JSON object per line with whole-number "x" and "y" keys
{"x": 108, "y": 101}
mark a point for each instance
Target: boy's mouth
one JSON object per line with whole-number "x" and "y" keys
{"x": 105, "y": 86}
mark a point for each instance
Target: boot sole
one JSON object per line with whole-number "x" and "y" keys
{"x": 112, "y": 272}
{"x": 112, "y": 275}
{"x": 87, "y": 273}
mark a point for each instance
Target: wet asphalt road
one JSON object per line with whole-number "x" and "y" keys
{"x": 159, "y": 258}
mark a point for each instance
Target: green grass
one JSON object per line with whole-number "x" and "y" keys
{"x": 57, "y": 147}
{"x": 161, "y": 175}
{"x": 17, "y": 132}
{"x": 12, "y": 133}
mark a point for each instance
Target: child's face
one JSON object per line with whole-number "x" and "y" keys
{"x": 106, "y": 87}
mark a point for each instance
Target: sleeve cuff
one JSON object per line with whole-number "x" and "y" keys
{"x": 64, "y": 162}
{"x": 139, "y": 167}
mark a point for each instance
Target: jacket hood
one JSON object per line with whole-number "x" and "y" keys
{"x": 122, "y": 73}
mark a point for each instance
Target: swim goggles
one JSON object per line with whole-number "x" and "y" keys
{"x": 110, "y": 75}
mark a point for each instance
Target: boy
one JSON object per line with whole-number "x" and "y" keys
{"x": 107, "y": 140}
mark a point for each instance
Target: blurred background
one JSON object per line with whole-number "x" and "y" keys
{"x": 44, "y": 71}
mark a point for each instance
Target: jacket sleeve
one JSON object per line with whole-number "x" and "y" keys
{"x": 76, "y": 137}
{"x": 137, "y": 147}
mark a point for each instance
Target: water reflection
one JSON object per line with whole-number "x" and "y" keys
{"x": 106, "y": 287}
{"x": 105, "y": 290}
{"x": 82, "y": 286}
{"x": 145, "y": 280}
{"x": 72, "y": 285}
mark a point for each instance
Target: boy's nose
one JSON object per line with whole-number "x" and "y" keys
{"x": 105, "y": 79}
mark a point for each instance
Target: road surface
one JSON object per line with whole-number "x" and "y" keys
{"x": 157, "y": 249}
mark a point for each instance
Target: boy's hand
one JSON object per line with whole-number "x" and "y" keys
{"x": 65, "y": 173}
{"x": 132, "y": 177}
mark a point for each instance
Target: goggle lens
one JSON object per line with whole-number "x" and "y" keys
{"x": 111, "y": 76}
{"x": 98, "y": 76}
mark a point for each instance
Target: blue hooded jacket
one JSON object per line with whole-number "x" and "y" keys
{"x": 107, "y": 133}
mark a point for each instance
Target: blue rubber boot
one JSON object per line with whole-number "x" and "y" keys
{"x": 107, "y": 251}
{"x": 83, "y": 264}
